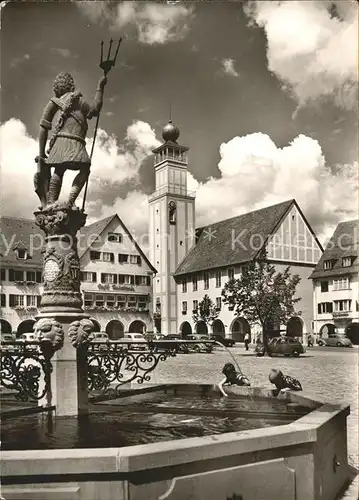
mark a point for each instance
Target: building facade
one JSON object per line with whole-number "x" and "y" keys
{"x": 171, "y": 225}
{"x": 335, "y": 284}
{"x": 116, "y": 277}
{"x": 221, "y": 251}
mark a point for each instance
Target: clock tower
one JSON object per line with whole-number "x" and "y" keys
{"x": 172, "y": 225}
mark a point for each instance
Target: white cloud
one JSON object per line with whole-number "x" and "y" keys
{"x": 228, "y": 67}
{"x": 312, "y": 51}
{"x": 155, "y": 23}
{"x": 256, "y": 173}
{"x": 17, "y": 61}
{"x": 112, "y": 164}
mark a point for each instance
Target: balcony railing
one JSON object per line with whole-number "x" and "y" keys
{"x": 172, "y": 189}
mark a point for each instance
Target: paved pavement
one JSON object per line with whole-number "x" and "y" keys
{"x": 331, "y": 373}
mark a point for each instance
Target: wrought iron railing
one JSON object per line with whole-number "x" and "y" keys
{"x": 112, "y": 364}
{"x": 25, "y": 370}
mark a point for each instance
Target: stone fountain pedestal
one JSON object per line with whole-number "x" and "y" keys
{"x": 61, "y": 310}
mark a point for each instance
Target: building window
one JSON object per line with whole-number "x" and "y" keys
{"x": 347, "y": 261}
{"x": 195, "y": 283}
{"x": 328, "y": 264}
{"x": 231, "y": 273}
{"x": 324, "y": 286}
{"x": 3, "y": 300}
{"x": 123, "y": 258}
{"x": 30, "y": 276}
{"x": 132, "y": 301}
{"x": 3, "y": 275}
{"x": 195, "y": 306}
{"x": 219, "y": 303}
{"x": 342, "y": 305}
{"x": 142, "y": 301}
{"x": 218, "y": 279}
{"x": 141, "y": 280}
{"x": 108, "y": 278}
{"x": 38, "y": 277}
{"x": 21, "y": 253}
{"x": 206, "y": 280}
{"x": 325, "y": 308}
{"x": 94, "y": 255}
{"x": 16, "y": 301}
{"x": 88, "y": 299}
{"x": 184, "y": 307}
{"x": 135, "y": 259}
{"x": 341, "y": 284}
{"x": 100, "y": 300}
{"x": 126, "y": 279}
{"x": 172, "y": 212}
{"x": 110, "y": 301}
{"x": 108, "y": 257}
{"x": 121, "y": 300}
{"x": 88, "y": 277}
{"x": 31, "y": 300}
{"x": 115, "y": 237}
{"x": 16, "y": 275}
{"x": 184, "y": 285}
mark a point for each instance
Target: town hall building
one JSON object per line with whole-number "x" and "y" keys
{"x": 192, "y": 262}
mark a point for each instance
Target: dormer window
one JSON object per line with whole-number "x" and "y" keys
{"x": 21, "y": 253}
{"x": 328, "y": 264}
{"x": 116, "y": 237}
{"x": 347, "y": 261}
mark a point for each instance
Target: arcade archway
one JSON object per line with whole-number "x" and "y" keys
{"x": 26, "y": 326}
{"x": 327, "y": 329}
{"x": 240, "y": 327}
{"x": 5, "y": 326}
{"x": 218, "y": 327}
{"x": 137, "y": 326}
{"x": 96, "y": 324}
{"x": 201, "y": 328}
{"x": 115, "y": 329}
{"x": 352, "y": 332}
{"x": 295, "y": 327}
{"x": 186, "y": 329}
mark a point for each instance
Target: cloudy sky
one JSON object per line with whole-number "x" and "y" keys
{"x": 264, "y": 94}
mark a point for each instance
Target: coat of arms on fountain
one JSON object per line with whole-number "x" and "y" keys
{"x": 80, "y": 332}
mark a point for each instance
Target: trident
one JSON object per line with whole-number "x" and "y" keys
{"x": 105, "y": 65}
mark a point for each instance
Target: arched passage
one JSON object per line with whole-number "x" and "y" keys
{"x": 240, "y": 327}
{"x": 201, "y": 328}
{"x": 26, "y": 326}
{"x": 327, "y": 329}
{"x": 97, "y": 326}
{"x": 137, "y": 326}
{"x": 352, "y": 332}
{"x": 295, "y": 327}
{"x": 186, "y": 329}
{"x": 115, "y": 329}
{"x": 5, "y": 326}
{"x": 218, "y": 327}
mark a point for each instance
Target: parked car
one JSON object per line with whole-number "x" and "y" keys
{"x": 136, "y": 336}
{"x": 335, "y": 340}
{"x": 177, "y": 345}
{"x": 6, "y": 339}
{"x": 286, "y": 346}
{"x": 28, "y": 337}
{"x": 222, "y": 340}
{"x": 202, "y": 346}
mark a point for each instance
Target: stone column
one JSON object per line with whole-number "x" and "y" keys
{"x": 61, "y": 306}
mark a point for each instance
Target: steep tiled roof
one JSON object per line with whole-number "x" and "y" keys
{"x": 343, "y": 243}
{"x": 89, "y": 233}
{"x": 229, "y": 241}
{"x": 20, "y": 233}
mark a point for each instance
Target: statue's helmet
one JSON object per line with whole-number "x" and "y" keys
{"x": 63, "y": 83}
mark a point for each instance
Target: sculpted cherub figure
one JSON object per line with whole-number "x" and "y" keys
{"x": 66, "y": 149}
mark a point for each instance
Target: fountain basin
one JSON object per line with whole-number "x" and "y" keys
{"x": 305, "y": 459}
